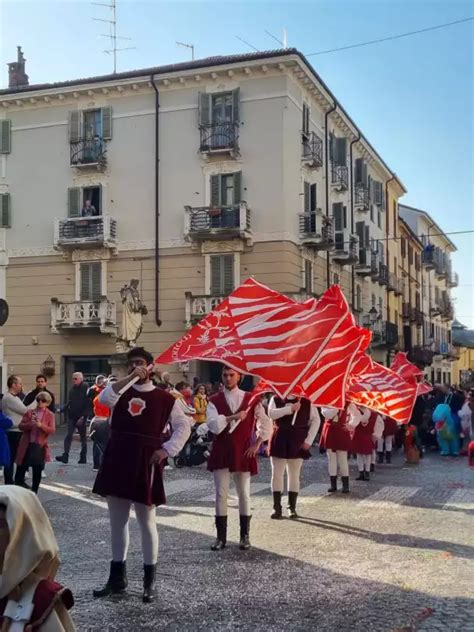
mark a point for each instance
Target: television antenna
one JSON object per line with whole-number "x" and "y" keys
{"x": 113, "y": 50}
{"x": 191, "y": 46}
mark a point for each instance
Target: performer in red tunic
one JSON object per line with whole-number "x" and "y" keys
{"x": 289, "y": 446}
{"x": 234, "y": 451}
{"x": 367, "y": 426}
{"x": 336, "y": 440}
{"x": 131, "y": 470}
{"x": 385, "y": 443}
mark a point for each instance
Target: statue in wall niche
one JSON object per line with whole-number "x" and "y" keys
{"x": 133, "y": 311}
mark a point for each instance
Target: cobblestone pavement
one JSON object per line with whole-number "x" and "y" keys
{"x": 396, "y": 555}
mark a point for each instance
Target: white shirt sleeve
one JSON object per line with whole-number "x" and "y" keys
{"x": 264, "y": 425}
{"x": 355, "y": 416}
{"x": 329, "y": 413}
{"x": 315, "y": 422}
{"x": 217, "y": 423}
{"x": 181, "y": 427}
{"x": 275, "y": 413}
{"x": 108, "y": 396}
{"x": 378, "y": 428}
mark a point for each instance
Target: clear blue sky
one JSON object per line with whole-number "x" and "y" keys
{"x": 412, "y": 97}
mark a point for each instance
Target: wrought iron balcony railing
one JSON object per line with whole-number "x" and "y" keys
{"x": 361, "y": 197}
{"x": 364, "y": 265}
{"x": 427, "y": 257}
{"x": 453, "y": 279}
{"x": 100, "y": 314}
{"x": 84, "y": 232}
{"x": 316, "y": 230}
{"x": 346, "y": 252}
{"x": 219, "y": 137}
{"x": 312, "y": 150}
{"x": 385, "y": 334}
{"x": 91, "y": 152}
{"x": 383, "y": 274}
{"x": 340, "y": 178}
{"x": 218, "y": 222}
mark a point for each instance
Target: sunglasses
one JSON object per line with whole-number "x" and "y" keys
{"x": 41, "y": 399}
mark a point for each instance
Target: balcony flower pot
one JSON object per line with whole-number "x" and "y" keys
{"x": 214, "y": 212}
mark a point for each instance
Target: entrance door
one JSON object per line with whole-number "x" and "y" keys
{"x": 89, "y": 366}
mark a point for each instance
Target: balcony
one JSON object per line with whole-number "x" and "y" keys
{"x": 218, "y": 222}
{"x": 85, "y": 232}
{"x": 374, "y": 266}
{"x": 77, "y": 315}
{"x": 346, "y": 253}
{"x": 312, "y": 150}
{"x": 427, "y": 257}
{"x": 453, "y": 279}
{"x": 220, "y": 138}
{"x": 339, "y": 178}
{"x": 316, "y": 231}
{"x": 420, "y": 356}
{"x": 89, "y": 153}
{"x": 383, "y": 274}
{"x": 446, "y": 309}
{"x": 400, "y": 287}
{"x": 361, "y": 198}
{"x": 364, "y": 266}
{"x": 392, "y": 284}
{"x": 435, "y": 309}
{"x": 385, "y": 334}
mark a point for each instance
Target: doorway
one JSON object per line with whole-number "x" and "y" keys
{"x": 89, "y": 366}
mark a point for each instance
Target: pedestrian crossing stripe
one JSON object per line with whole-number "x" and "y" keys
{"x": 460, "y": 499}
{"x": 181, "y": 485}
{"x": 389, "y": 496}
{"x": 255, "y": 488}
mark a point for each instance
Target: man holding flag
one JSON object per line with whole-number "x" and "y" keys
{"x": 233, "y": 419}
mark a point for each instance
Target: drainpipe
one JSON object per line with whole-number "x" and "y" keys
{"x": 352, "y": 143}
{"x": 157, "y": 201}
{"x": 326, "y": 133}
{"x": 387, "y": 228}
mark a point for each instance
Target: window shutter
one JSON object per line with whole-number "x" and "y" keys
{"x": 215, "y": 190}
{"x": 237, "y": 187}
{"x": 337, "y": 213}
{"x": 85, "y": 281}
{"x": 403, "y": 247}
{"x": 313, "y": 198}
{"x": 358, "y": 170}
{"x": 341, "y": 151}
{"x": 96, "y": 280}
{"x": 236, "y": 105}
{"x": 215, "y": 275}
{"x": 367, "y": 236}
{"x": 5, "y": 136}
{"x": 364, "y": 173}
{"x": 331, "y": 147}
{"x": 228, "y": 273}
{"x": 377, "y": 193}
{"x": 344, "y": 215}
{"x": 204, "y": 108}
{"x": 360, "y": 226}
{"x": 75, "y": 126}
{"x": 106, "y": 123}
{"x": 305, "y": 119}
{"x": 383, "y": 196}
{"x": 307, "y": 197}
{"x": 308, "y": 275}
{"x": 370, "y": 188}
{"x": 74, "y": 201}
{"x": 382, "y": 252}
{"x": 5, "y": 208}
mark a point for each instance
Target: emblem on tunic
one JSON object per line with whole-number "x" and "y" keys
{"x": 136, "y": 406}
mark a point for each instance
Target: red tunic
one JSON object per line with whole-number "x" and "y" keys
{"x": 287, "y": 439}
{"x": 138, "y": 422}
{"x": 336, "y": 435}
{"x": 363, "y": 440}
{"x": 47, "y": 594}
{"x": 390, "y": 427}
{"x": 228, "y": 450}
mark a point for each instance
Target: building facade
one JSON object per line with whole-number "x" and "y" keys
{"x": 189, "y": 178}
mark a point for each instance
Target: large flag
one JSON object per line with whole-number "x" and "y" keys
{"x": 410, "y": 372}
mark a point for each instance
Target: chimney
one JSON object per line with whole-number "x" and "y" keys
{"x": 17, "y": 77}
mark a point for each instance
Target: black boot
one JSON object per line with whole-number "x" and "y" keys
{"x": 379, "y": 457}
{"x": 244, "y": 543}
{"x": 292, "y": 498}
{"x": 64, "y": 458}
{"x": 82, "y": 458}
{"x": 221, "y": 539}
{"x": 388, "y": 456}
{"x": 149, "y": 577}
{"x": 361, "y": 476}
{"x": 117, "y": 582}
{"x": 366, "y": 476}
{"x": 277, "y": 509}
{"x": 333, "y": 487}
{"x": 345, "y": 484}
{"x": 372, "y": 467}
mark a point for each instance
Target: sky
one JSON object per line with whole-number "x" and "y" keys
{"x": 413, "y": 97}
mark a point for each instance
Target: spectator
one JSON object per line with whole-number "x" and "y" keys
{"x": 165, "y": 382}
{"x": 183, "y": 393}
{"x": 99, "y": 430}
{"x": 33, "y": 450}
{"x": 41, "y": 387}
{"x": 95, "y": 390}
{"x": 14, "y": 408}
{"x": 88, "y": 210}
{"x": 78, "y": 408}
{"x": 5, "y": 424}
{"x": 467, "y": 422}
{"x": 200, "y": 403}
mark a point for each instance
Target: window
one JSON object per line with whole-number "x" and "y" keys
{"x": 222, "y": 274}
{"x": 403, "y": 247}
{"x": 410, "y": 255}
{"x": 417, "y": 261}
{"x": 395, "y": 217}
{"x": 363, "y": 232}
{"x": 305, "y": 126}
{"x": 226, "y": 189}
{"x": 373, "y": 300}
{"x": 5, "y": 210}
{"x": 360, "y": 172}
{"x": 395, "y": 265}
{"x": 91, "y": 281}
{"x": 219, "y": 108}
{"x": 377, "y": 192}
{"x": 340, "y": 152}
{"x": 336, "y": 280}
{"x": 379, "y": 218}
{"x": 308, "y": 275}
{"x": 339, "y": 213}
{"x": 371, "y": 212}
{"x": 358, "y": 304}
{"x": 85, "y": 201}
{"x": 5, "y": 136}
{"x": 380, "y": 307}
{"x": 90, "y": 125}
{"x": 310, "y": 197}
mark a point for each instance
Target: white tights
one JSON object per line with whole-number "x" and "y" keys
{"x": 242, "y": 487}
{"x": 388, "y": 444}
{"x": 363, "y": 462}
{"x": 119, "y": 513}
{"x": 293, "y": 470}
{"x": 337, "y": 458}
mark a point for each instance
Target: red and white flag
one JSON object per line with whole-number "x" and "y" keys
{"x": 410, "y": 372}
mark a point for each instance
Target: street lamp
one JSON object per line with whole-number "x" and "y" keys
{"x": 373, "y": 315}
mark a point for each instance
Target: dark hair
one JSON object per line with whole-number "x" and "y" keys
{"x": 198, "y": 386}
{"x": 180, "y": 385}
{"x": 229, "y": 368}
{"x": 139, "y": 352}
{"x": 12, "y": 379}
{"x": 41, "y": 376}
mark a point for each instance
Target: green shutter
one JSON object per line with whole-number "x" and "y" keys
{"x": 222, "y": 274}
{"x": 307, "y": 197}
{"x": 85, "y": 281}
{"x": 204, "y": 108}
{"x": 236, "y": 105}
{"x": 228, "y": 273}
{"x": 216, "y": 275}
{"x": 75, "y": 126}
{"x": 5, "y": 136}
{"x": 74, "y": 201}
{"x": 337, "y": 213}
{"x": 6, "y": 220}
{"x": 237, "y": 187}
{"x": 106, "y": 114}
{"x": 91, "y": 281}
{"x": 341, "y": 152}
{"x": 215, "y": 190}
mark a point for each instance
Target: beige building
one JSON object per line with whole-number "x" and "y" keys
{"x": 200, "y": 175}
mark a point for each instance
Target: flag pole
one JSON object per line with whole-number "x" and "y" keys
{"x": 295, "y": 413}
{"x": 125, "y": 388}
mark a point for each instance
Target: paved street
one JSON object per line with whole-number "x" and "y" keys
{"x": 394, "y": 555}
